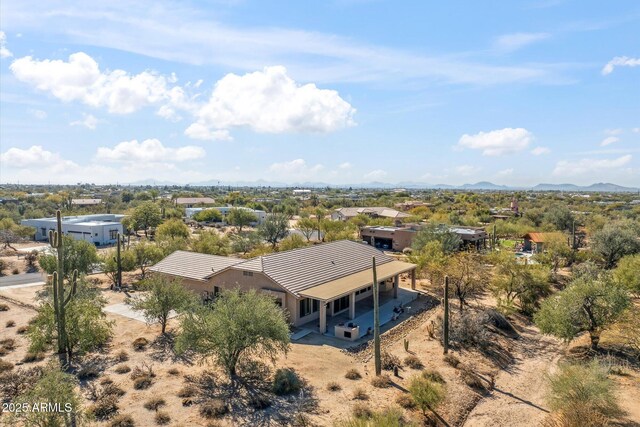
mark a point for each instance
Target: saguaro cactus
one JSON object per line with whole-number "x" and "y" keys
{"x": 118, "y": 260}
{"x": 445, "y": 320}
{"x": 61, "y": 296}
{"x": 493, "y": 238}
{"x": 573, "y": 236}
{"x": 376, "y": 320}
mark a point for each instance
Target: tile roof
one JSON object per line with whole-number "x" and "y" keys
{"x": 194, "y": 200}
{"x": 193, "y": 265}
{"x": 539, "y": 237}
{"x": 380, "y": 211}
{"x": 300, "y": 269}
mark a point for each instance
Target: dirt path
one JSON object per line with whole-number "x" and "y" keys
{"x": 518, "y": 397}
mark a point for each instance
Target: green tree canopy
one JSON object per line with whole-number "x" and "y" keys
{"x": 559, "y": 217}
{"x": 238, "y": 325}
{"x": 208, "y": 215}
{"x": 613, "y": 242}
{"x": 162, "y": 295}
{"x": 292, "y": 241}
{"x": 306, "y": 226}
{"x": 110, "y": 263}
{"x": 172, "y": 229}
{"x": 146, "y": 215}
{"x": 274, "y": 228}
{"x": 77, "y": 255}
{"x": 449, "y": 241}
{"x": 146, "y": 254}
{"x": 240, "y": 218}
{"x": 586, "y": 305}
{"x": 627, "y": 273}
{"x": 210, "y": 242}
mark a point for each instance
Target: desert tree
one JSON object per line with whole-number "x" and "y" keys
{"x": 145, "y": 216}
{"x": 627, "y": 273}
{"x": 292, "y": 241}
{"x": 146, "y": 254}
{"x": 431, "y": 261}
{"x": 515, "y": 282}
{"x": 306, "y": 226}
{"x": 245, "y": 242}
{"x": 427, "y": 394}
{"x": 110, "y": 264}
{"x": 239, "y": 325}
{"x": 585, "y": 305}
{"x": 559, "y": 217}
{"x": 11, "y": 233}
{"x": 467, "y": 275}
{"x": 210, "y": 242}
{"x": 613, "y": 242}
{"x": 208, "y": 215}
{"x": 557, "y": 252}
{"x": 59, "y": 391}
{"x": 274, "y": 228}
{"x": 172, "y": 235}
{"x": 161, "y": 296}
{"x": 449, "y": 241}
{"x": 241, "y": 218}
{"x": 77, "y": 255}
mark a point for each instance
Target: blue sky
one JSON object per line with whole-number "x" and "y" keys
{"x": 338, "y": 91}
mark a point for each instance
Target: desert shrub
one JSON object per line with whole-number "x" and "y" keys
{"x": 382, "y": 381}
{"x": 353, "y": 374}
{"x": 3, "y": 351}
{"x": 405, "y": 401}
{"x": 8, "y": 343}
{"x": 104, "y": 408}
{"x": 122, "y": 369}
{"x": 142, "y": 383}
{"x": 154, "y": 403}
{"x": 5, "y": 366}
{"x": 15, "y": 271}
{"x": 433, "y": 375}
{"x": 15, "y": 382}
{"x": 413, "y": 362}
{"x": 162, "y": 418}
{"x": 426, "y": 393}
{"x": 260, "y": 401}
{"x": 123, "y": 420}
{"x": 583, "y": 387}
{"x": 88, "y": 371}
{"x": 189, "y": 390}
{"x": 33, "y": 356}
{"x": 577, "y": 416}
{"x": 451, "y": 360}
{"x": 10, "y": 323}
{"x": 361, "y": 410}
{"x": 391, "y": 417}
{"x": 187, "y": 402}
{"x": 143, "y": 370}
{"x": 4, "y": 307}
{"x": 390, "y": 361}
{"x": 113, "y": 390}
{"x": 22, "y": 330}
{"x": 106, "y": 381}
{"x": 471, "y": 379}
{"x": 173, "y": 371}
{"x": 122, "y": 356}
{"x": 334, "y": 386}
{"x": 360, "y": 394}
{"x": 140, "y": 344}
{"x": 214, "y": 408}
{"x": 286, "y": 381}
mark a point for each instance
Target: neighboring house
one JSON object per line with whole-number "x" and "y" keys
{"x": 344, "y": 214}
{"x": 471, "y": 236}
{"x": 309, "y": 283}
{"x": 224, "y": 210}
{"x": 189, "y": 202}
{"x": 412, "y": 204}
{"x": 534, "y": 242}
{"x": 85, "y": 202}
{"x": 100, "y": 229}
{"x": 394, "y": 238}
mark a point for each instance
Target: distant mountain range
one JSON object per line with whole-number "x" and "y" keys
{"x": 602, "y": 187}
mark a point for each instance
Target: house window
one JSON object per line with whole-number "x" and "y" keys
{"x": 113, "y": 234}
{"x": 216, "y": 291}
{"x": 247, "y": 273}
{"x": 308, "y": 306}
{"x": 43, "y": 231}
{"x": 341, "y": 304}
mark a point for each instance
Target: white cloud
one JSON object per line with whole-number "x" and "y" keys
{"x": 38, "y": 114}
{"x": 269, "y": 101}
{"x": 506, "y": 172}
{"x": 617, "y": 131}
{"x": 466, "y": 170}
{"x": 609, "y": 140}
{"x": 4, "y": 52}
{"x": 295, "y": 169}
{"x": 376, "y": 175}
{"x": 80, "y": 79}
{"x": 590, "y": 166}
{"x": 202, "y": 132}
{"x": 88, "y": 120}
{"x": 635, "y": 130}
{"x": 344, "y": 166}
{"x": 620, "y": 61}
{"x": 515, "y": 41}
{"x": 35, "y": 156}
{"x": 148, "y": 151}
{"x": 538, "y": 151}
{"x": 498, "y": 142}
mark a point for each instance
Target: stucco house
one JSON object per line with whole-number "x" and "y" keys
{"x": 310, "y": 283}
{"x": 99, "y": 229}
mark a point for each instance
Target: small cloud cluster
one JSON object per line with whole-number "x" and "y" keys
{"x": 4, "y": 51}
{"x": 515, "y": 41}
{"x": 538, "y": 151}
{"x": 620, "y": 61}
{"x": 35, "y": 156}
{"x": 269, "y": 101}
{"x": 295, "y": 169}
{"x": 88, "y": 120}
{"x": 590, "y": 166}
{"x": 498, "y": 142}
{"x": 609, "y": 140}
{"x": 148, "y": 151}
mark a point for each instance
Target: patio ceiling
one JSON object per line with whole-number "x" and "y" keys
{"x": 345, "y": 285}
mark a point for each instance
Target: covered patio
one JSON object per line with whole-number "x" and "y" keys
{"x": 348, "y": 301}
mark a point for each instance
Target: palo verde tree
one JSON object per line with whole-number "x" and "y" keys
{"x": 208, "y": 215}
{"x": 306, "y": 226}
{"x": 241, "y": 218}
{"x": 449, "y": 241}
{"x": 212, "y": 243}
{"x": 237, "y": 326}
{"x": 468, "y": 276}
{"x": 162, "y": 296}
{"x": 274, "y": 228}
{"x": 588, "y": 304}
{"x": 77, "y": 255}
{"x": 146, "y": 215}
{"x": 110, "y": 265}
{"x": 146, "y": 254}
{"x": 613, "y": 242}
{"x": 627, "y": 273}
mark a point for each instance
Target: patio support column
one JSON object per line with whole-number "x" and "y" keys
{"x": 396, "y": 284}
{"x": 413, "y": 279}
{"x": 323, "y": 317}
{"x": 352, "y": 305}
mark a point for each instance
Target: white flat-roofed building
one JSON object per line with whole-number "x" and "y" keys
{"x": 99, "y": 229}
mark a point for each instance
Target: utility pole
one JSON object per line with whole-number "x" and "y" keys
{"x": 445, "y": 320}
{"x": 376, "y": 320}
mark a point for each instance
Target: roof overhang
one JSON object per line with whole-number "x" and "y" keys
{"x": 345, "y": 285}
